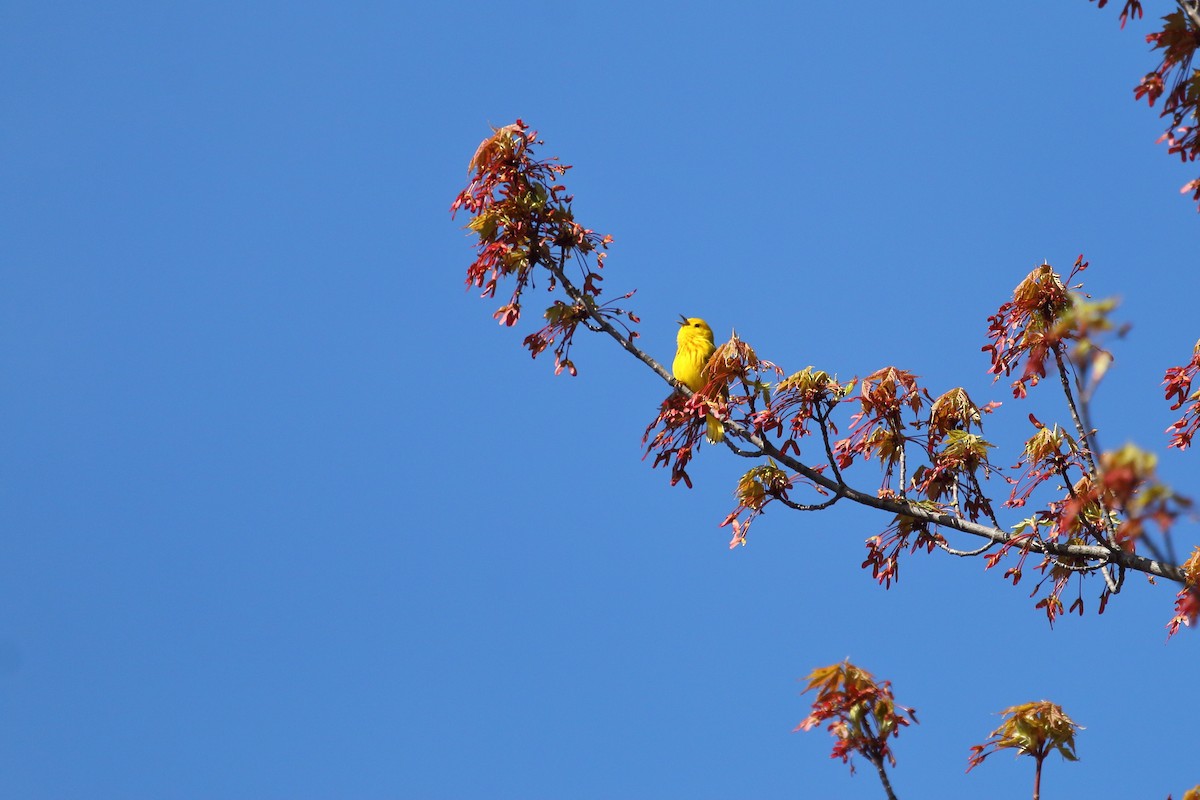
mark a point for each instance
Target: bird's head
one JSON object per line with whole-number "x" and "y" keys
{"x": 691, "y": 328}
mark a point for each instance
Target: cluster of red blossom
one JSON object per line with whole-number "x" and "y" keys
{"x": 1175, "y": 79}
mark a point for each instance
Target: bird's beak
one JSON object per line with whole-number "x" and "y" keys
{"x": 682, "y": 320}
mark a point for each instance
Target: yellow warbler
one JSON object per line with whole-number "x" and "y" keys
{"x": 695, "y": 347}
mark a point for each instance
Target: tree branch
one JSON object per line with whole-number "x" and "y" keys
{"x": 883, "y": 778}
{"x": 1119, "y": 557}
{"x": 873, "y": 754}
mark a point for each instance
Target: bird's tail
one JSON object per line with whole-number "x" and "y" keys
{"x": 716, "y": 431}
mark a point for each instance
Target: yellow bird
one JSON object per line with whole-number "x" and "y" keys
{"x": 695, "y": 347}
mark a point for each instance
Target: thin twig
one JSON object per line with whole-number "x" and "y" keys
{"x": 737, "y": 451}
{"x": 1083, "y": 434}
{"x": 964, "y": 553}
{"x": 822, "y": 418}
{"x": 1076, "y": 567}
{"x": 987, "y": 504}
{"x": 807, "y": 507}
{"x": 1088, "y": 445}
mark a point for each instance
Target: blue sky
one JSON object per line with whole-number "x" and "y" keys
{"x": 286, "y": 515}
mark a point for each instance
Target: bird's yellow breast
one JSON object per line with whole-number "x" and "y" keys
{"x": 695, "y": 346}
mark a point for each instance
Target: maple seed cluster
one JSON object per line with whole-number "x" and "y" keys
{"x": 1173, "y": 79}
{"x": 861, "y": 712}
